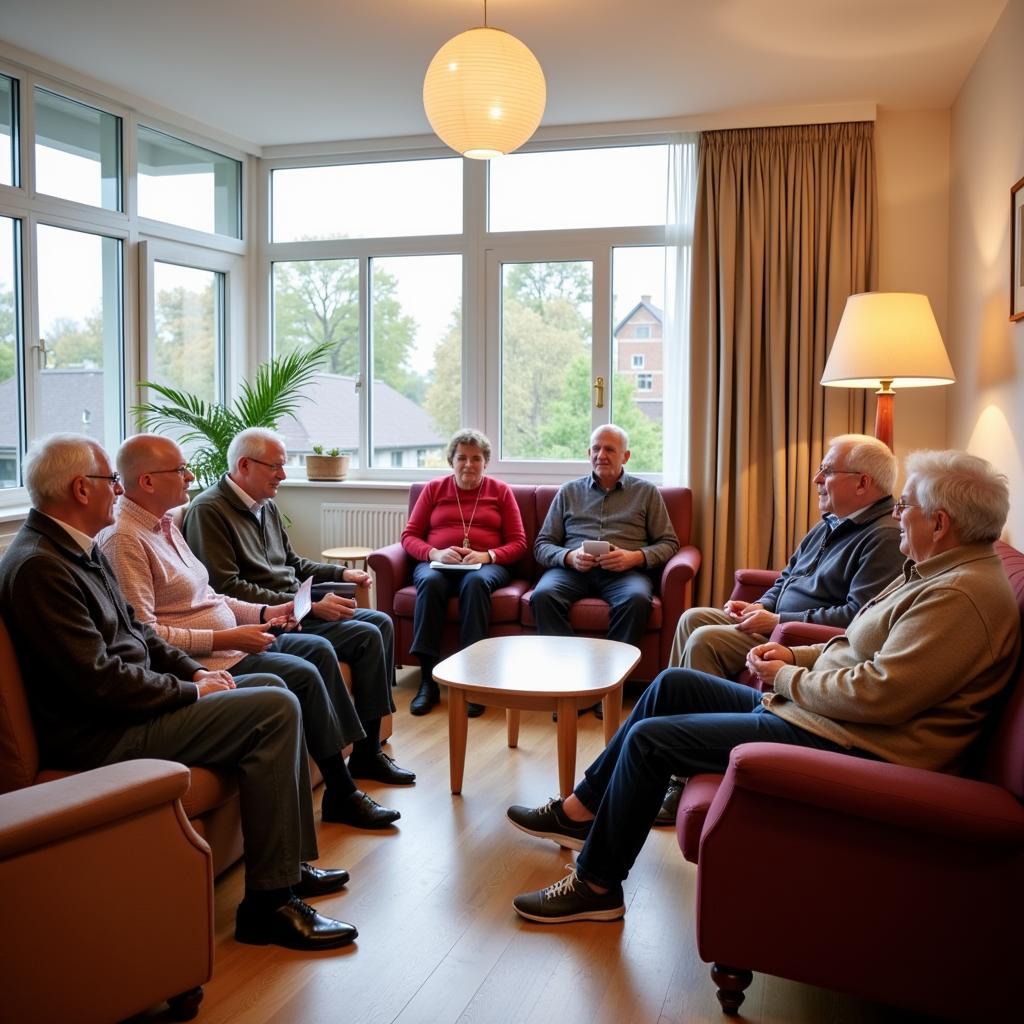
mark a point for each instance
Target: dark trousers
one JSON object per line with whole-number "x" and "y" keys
{"x": 309, "y": 667}
{"x": 628, "y": 595}
{"x": 256, "y": 733}
{"x": 685, "y": 723}
{"x": 434, "y": 587}
{"x": 366, "y": 642}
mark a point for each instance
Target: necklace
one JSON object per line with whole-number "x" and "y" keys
{"x": 465, "y": 528}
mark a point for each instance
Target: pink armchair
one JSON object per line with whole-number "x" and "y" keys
{"x": 891, "y": 883}
{"x": 510, "y": 606}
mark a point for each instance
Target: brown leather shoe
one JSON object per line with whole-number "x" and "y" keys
{"x": 296, "y": 925}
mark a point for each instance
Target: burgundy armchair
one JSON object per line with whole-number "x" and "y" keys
{"x": 510, "y": 606}
{"x": 891, "y": 883}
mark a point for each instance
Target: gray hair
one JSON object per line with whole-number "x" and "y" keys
{"x": 870, "y": 456}
{"x": 968, "y": 488}
{"x": 611, "y": 428}
{"x": 251, "y": 443}
{"x": 54, "y": 461}
{"x": 468, "y": 436}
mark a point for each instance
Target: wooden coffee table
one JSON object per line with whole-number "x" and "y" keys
{"x": 535, "y": 673}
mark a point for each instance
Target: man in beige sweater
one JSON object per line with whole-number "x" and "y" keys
{"x": 909, "y": 683}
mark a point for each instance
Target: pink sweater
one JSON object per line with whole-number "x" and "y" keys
{"x": 169, "y": 587}
{"x": 496, "y": 524}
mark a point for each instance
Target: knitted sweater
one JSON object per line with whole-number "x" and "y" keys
{"x": 248, "y": 556}
{"x": 915, "y": 674}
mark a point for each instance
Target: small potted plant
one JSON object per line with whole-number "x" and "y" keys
{"x": 331, "y": 465}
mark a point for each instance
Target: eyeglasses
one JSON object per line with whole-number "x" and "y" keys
{"x": 277, "y": 467}
{"x": 829, "y": 471}
{"x": 180, "y": 470}
{"x": 901, "y": 506}
{"x": 113, "y": 478}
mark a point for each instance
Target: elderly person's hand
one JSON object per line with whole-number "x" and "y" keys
{"x": 734, "y": 609}
{"x": 332, "y": 608}
{"x": 579, "y": 560}
{"x": 213, "y": 681}
{"x": 476, "y": 558}
{"x": 358, "y": 577}
{"x": 450, "y": 556}
{"x": 621, "y": 560}
{"x": 765, "y": 660}
{"x": 757, "y": 620}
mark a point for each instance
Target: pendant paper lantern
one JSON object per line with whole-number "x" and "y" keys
{"x": 484, "y": 93}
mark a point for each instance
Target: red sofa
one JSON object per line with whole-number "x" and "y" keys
{"x": 894, "y": 884}
{"x": 510, "y": 606}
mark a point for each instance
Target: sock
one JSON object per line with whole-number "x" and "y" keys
{"x": 337, "y": 780}
{"x": 427, "y": 666}
{"x": 367, "y": 747}
{"x": 267, "y": 899}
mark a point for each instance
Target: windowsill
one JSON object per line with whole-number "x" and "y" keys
{"x": 13, "y": 513}
{"x": 342, "y": 485}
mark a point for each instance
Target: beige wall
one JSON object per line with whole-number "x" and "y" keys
{"x": 912, "y": 160}
{"x": 987, "y": 157}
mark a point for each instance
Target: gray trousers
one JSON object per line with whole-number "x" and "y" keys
{"x": 707, "y": 640}
{"x": 257, "y": 733}
{"x": 309, "y": 667}
{"x": 367, "y": 643}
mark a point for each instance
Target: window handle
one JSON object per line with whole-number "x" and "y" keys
{"x": 599, "y": 393}
{"x": 42, "y": 354}
{"x": 358, "y": 386}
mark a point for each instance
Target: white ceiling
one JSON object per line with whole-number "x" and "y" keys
{"x": 285, "y": 71}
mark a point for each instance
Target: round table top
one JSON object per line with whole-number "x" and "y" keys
{"x": 550, "y": 665}
{"x": 346, "y": 554}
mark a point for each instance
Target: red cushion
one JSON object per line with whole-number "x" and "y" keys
{"x": 590, "y": 615}
{"x": 504, "y": 603}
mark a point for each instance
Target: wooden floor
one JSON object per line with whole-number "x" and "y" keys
{"x": 438, "y": 939}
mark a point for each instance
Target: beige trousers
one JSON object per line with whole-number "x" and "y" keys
{"x": 707, "y": 640}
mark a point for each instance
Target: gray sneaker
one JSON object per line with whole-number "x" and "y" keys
{"x": 571, "y": 899}
{"x": 550, "y": 822}
{"x": 670, "y": 805}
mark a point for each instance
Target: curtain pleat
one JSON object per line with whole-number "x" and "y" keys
{"x": 785, "y": 230}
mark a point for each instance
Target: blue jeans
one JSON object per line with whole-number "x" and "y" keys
{"x": 367, "y": 643}
{"x": 628, "y": 595}
{"x": 685, "y": 722}
{"x": 309, "y": 667}
{"x": 433, "y": 589}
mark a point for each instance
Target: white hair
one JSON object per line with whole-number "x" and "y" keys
{"x": 870, "y": 456}
{"x": 251, "y": 443}
{"x": 54, "y": 461}
{"x": 611, "y": 428}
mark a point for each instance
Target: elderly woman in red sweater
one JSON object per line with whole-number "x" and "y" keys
{"x": 471, "y": 522}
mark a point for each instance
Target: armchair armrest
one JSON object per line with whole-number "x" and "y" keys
{"x": 804, "y": 634}
{"x": 391, "y": 565}
{"x": 676, "y": 593}
{"x": 752, "y": 583}
{"x": 909, "y": 799}
{"x": 49, "y": 811}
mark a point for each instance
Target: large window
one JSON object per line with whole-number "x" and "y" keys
{"x": 77, "y": 152}
{"x": 10, "y": 346}
{"x": 8, "y": 131}
{"x": 185, "y": 184}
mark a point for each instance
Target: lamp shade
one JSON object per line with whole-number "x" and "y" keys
{"x": 888, "y": 336}
{"x": 484, "y": 93}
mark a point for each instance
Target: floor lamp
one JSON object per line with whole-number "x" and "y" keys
{"x": 887, "y": 340}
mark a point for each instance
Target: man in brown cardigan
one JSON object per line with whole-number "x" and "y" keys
{"x": 910, "y": 683}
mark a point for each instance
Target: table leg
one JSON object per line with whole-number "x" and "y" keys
{"x": 512, "y": 725}
{"x": 566, "y": 745}
{"x": 458, "y": 727}
{"x": 612, "y": 708}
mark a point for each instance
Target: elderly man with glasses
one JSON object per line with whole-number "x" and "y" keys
{"x": 169, "y": 589}
{"x": 235, "y": 529}
{"x": 910, "y": 683}
{"x": 841, "y": 563}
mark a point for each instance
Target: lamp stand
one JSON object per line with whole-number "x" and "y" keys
{"x": 885, "y": 398}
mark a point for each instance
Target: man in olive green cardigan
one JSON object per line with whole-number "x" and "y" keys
{"x": 909, "y": 683}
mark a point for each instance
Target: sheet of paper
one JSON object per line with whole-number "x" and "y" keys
{"x": 461, "y": 566}
{"x": 303, "y": 599}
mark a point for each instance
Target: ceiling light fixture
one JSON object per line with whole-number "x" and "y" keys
{"x": 484, "y": 92}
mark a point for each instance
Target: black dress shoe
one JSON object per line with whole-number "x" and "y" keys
{"x": 426, "y": 697}
{"x": 319, "y": 881}
{"x": 474, "y": 710}
{"x": 296, "y": 925}
{"x": 358, "y": 810}
{"x": 597, "y": 708}
{"x": 381, "y": 768}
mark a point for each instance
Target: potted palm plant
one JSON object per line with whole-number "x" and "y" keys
{"x": 329, "y": 465}
{"x": 276, "y": 392}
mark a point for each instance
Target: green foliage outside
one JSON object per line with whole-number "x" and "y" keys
{"x": 185, "y": 353}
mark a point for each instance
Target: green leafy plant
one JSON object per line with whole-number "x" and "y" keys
{"x": 318, "y": 449}
{"x": 276, "y": 392}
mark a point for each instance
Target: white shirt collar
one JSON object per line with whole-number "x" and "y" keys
{"x": 251, "y": 504}
{"x": 83, "y": 540}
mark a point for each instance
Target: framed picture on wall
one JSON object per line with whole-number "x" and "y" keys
{"x": 1017, "y": 251}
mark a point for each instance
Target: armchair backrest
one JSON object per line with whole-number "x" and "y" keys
{"x": 1004, "y": 756}
{"x": 19, "y": 751}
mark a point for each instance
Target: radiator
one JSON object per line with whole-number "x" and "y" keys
{"x": 368, "y": 526}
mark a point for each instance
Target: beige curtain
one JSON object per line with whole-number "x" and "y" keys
{"x": 785, "y": 230}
